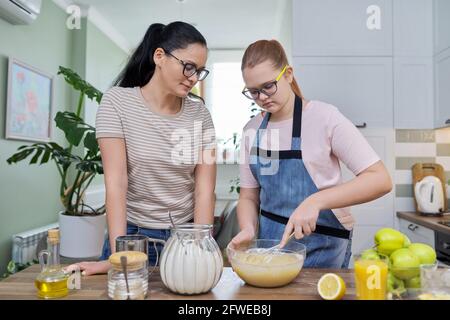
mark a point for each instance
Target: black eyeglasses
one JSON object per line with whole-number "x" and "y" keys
{"x": 189, "y": 69}
{"x": 268, "y": 89}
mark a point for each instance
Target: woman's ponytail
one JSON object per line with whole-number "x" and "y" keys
{"x": 141, "y": 67}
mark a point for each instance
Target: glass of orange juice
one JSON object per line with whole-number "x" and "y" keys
{"x": 371, "y": 277}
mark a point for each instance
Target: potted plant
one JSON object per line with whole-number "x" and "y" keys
{"x": 82, "y": 227}
{"x": 230, "y": 147}
{"x": 235, "y": 183}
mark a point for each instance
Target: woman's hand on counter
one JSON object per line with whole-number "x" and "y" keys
{"x": 89, "y": 268}
{"x": 302, "y": 221}
{"x": 245, "y": 236}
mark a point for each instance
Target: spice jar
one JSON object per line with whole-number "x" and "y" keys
{"x": 136, "y": 276}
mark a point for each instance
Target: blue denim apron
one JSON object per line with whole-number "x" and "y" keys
{"x": 284, "y": 184}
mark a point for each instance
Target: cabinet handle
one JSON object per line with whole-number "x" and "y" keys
{"x": 446, "y": 245}
{"x": 412, "y": 227}
{"x": 364, "y": 125}
{"x": 447, "y": 122}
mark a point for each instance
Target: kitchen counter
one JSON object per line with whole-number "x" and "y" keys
{"x": 431, "y": 222}
{"x": 20, "y": 286}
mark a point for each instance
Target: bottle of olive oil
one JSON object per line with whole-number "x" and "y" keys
{"x": 52, "y": 281}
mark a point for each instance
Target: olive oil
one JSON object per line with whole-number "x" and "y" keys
{"x": 52, "y": 288}
{"x": 52, "y": 281}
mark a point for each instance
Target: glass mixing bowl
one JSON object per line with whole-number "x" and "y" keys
{"x": 260, "y": 267}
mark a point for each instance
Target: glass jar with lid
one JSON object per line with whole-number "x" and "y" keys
{"x": 128, "y": 280}
{"x": 191, "y": 261}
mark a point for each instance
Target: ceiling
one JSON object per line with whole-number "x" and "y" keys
{"x": 226, "y": 24}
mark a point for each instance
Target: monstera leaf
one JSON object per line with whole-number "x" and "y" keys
{"x": 79, "y": 84}
{"x": 76, "y": 132}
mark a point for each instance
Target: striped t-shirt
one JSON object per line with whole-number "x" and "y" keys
{"x": 162, "y": 152}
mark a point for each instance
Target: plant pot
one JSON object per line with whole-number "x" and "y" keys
{"x": 82, "y": 236}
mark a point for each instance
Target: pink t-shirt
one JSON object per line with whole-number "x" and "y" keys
{"x": 327, "y": 137}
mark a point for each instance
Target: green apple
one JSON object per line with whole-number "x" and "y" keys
{"x": 413, "y": 283}
{"x": 395, "y": 285}
{"x": 407, "y": 242}
{"x": 370, "y": 254}
{"x": 426, "y": 254}
{"x": 405, "y": 264}
{"x": 388, "y": 240}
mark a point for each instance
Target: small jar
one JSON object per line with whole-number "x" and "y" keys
{"x": 137, "y": 274}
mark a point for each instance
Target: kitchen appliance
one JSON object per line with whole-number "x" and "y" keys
{"x": 429, "y": 188}
{"x": 442, "y": 247}
{"x": 429, "y": 195}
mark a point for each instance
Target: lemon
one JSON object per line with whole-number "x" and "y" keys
{"x": 331, "y": 287}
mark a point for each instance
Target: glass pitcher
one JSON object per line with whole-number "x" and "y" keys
{"x": 191, "y": 261}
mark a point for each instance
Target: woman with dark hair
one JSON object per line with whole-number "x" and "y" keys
{"x": 157, "y": 141}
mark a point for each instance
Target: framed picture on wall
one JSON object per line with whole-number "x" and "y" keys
{"x": 29, "y": 103}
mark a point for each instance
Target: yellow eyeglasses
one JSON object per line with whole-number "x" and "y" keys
{"x": 268, "y": 89}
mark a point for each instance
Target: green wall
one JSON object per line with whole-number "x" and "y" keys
{"x": 29, "y": 194}
{"x": 104, "y": 60}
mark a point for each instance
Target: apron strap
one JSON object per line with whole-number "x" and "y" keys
{"x": 324, "y": 230}
{"x": 294, "y": 152}
{"x": 283, "y": 154}
{"x": 297, "y": 120}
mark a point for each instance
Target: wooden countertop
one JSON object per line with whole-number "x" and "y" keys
{"x": 427, "y": 221}
{"x": 20, "y": 286}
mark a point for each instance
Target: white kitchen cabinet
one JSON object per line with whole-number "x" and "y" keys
{"x": 441, "y": 10}
{"x": 342, "y": 28}
{"x": 372, "y": 216}
{"x": 415, "y": 34}
{"x": 360, "y": 87}
{"x": 413, "y": 28}
{"x": 416, "y": 233}
{"x": 442, "y": 89}
{"x": 421, "y": 64}
{"x": 413, "y": 64}
{"x": 413, "y": 93}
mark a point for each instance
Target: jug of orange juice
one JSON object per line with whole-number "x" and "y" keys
{"x": 371, "y": 278}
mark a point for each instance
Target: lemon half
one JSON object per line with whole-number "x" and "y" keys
{"x": 331, "y": 287}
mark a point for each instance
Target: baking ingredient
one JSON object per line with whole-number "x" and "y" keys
{"x": 191, "y": 266}
{"x": 51, "y": 282}
{"x": 331, "y": 287}
{"x": 52, "y": 286}
{"x": 137, "y": 276}
{"x": 261, "y": 269}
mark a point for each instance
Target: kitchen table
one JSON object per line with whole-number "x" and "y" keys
{"x": 230, "y": 287}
